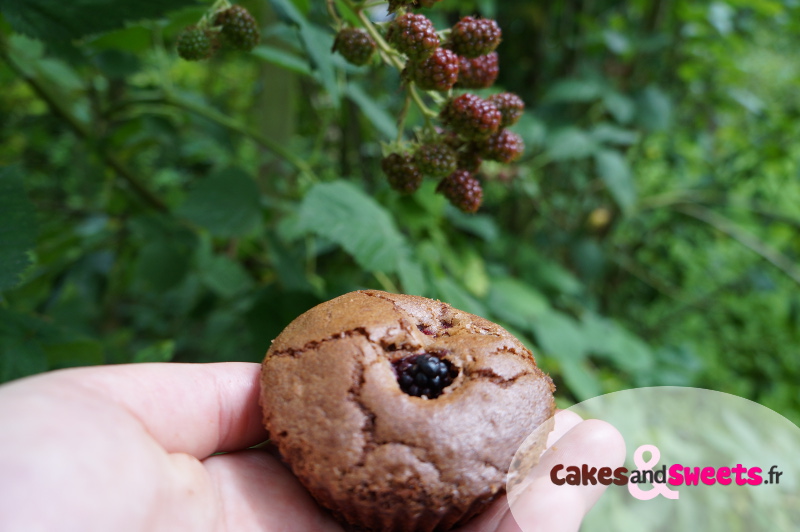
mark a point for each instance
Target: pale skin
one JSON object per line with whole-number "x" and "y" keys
{"x": 132, "y": 448}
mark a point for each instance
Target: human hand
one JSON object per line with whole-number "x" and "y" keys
{"x": 135, "y": 448}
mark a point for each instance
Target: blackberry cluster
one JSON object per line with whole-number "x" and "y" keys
{"x": 473, "y": 127}
{"x": 424, "y": 375}
{"x": 196, "y": 44}
{"x": 233, "y": 26}
{"x": 355, "y": 45}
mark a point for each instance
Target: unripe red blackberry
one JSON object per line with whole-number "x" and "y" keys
{"x": 462, "y": 190}
{"x": 413, "y": 35}
{"x": 195, "y": 44}
{"x": 239, "y": 29}
{"x": 355, "y": 45}
{"x": 403, "y": 174}
{"x": 505, "y": 147}
{"x": 477, "y": 73}
{"x": 471, "y": 37}
{"x": 471, "y": 116}
{"x": 435, "y": 159}
{"x": 438, "y": 72}
{"x": 424, "y": 375}
{"x": 510, "y": 106}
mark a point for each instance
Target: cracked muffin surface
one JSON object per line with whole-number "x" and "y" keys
{"x": 377, "y": 456}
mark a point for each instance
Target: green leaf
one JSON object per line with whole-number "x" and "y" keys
{"x": 282, "y": 59}
{"x": 375, "y": 112}
{"x": 480, "y": 225}
{"x": 227, "y": 204}
{"x": 654, "y": 109}
{"x": 620, "y": 106}
{"x": 614, "y": 170}
{"x": 412, "y": 277}
{"x": 57, "y": 20}
{"x": 570, "y": 143}
{"x": 611, "y": 134}
{"x": 581, "y": 381}
{"x": 516, "y": 302}
{"x": 607, "y": 338}
{"x": 344, "y": 214}
{"x": 162, "y": 263}
{"x": 17, "y": 227}
{"x": 454, "y": 294}
{"x": 560, "y": 336}
{"x": 574, "y": 90}
{"x": 158, "y": 352}
{"x": 72, "y": 353}
{"x": 224, "y": 276}
{"x": 21, "y": 352}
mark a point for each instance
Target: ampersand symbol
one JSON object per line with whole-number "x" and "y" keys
{"x": 641, "y": 465}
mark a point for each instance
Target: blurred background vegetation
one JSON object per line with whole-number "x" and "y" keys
{"x": 153, "y": 209}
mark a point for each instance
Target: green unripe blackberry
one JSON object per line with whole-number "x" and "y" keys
{"x": 355, "y": 45}
{"x": 479, "y": 72}
{"x": 462, "y": 190}
{"x": 471, "y": 116}
{"x": 239, "y": 29}
{"x": 472, "y": 37}
{"x": 510, "y": 106}
{"x": 435, "y": 159}
{"x": 438, "y": 72}
{"x": 403, "y": 174}
{"x": 196, "y": 44}
{"x": 505, "y": 147}
{"x": 413, "y": 35}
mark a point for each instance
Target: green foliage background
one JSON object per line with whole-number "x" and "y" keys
{"x": 153, "y": 209}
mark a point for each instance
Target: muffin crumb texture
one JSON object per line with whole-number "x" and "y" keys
{"x": 336, "y": 388}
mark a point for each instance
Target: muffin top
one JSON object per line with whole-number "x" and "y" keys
{"x": 337, "y": 387}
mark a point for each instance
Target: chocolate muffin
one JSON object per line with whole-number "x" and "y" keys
{"x": 401, "y": 413}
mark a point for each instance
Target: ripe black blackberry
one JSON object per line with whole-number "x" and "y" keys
{"x": 196, "y": 44}
{"x": 471, "y": 37}
{"x": 413, "y": 35}
{"x": 403, "y": 174}
{"x": 424, "y": 375}
{"x": 239, "y": 29}
{"x": 504, "y": 146}
{"x": 510, "y": 106}
{"x": 355, "y": 45}
{"x": 435, "y": 159}
{"x": 471, "y": 116}
{"x": 479, "y": 72}
{"x": 438, "y": 72}
{"x": 462, "y": 190}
